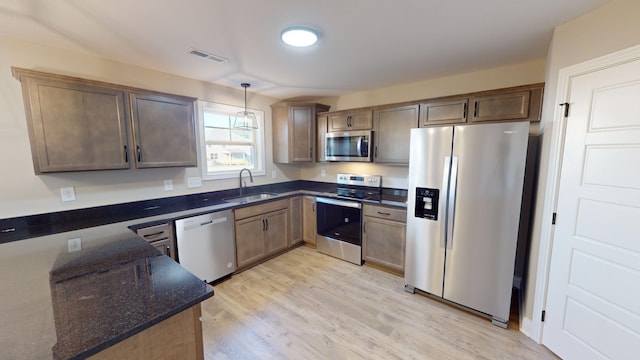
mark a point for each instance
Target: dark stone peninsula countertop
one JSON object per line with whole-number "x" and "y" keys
{"x": 61, "y": 304}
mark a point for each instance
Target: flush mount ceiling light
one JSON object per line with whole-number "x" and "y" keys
{"x": 245, "y": 119}
{"x": 299, "y": 36}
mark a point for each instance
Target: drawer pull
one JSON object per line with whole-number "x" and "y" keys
{"x": 384, "y": 213}
{"x": 153, "y": 235}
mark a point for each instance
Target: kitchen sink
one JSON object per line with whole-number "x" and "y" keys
{"x": 251, "y": 198}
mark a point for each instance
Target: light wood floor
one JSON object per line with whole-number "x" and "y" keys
{"x": 306, "y": 305}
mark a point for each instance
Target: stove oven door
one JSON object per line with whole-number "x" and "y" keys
{"x": 339, "y": 228}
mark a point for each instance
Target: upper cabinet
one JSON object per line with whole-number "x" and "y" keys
{"x": 78, "y": 125}
{"x": 443, "y": 112}
{"x": 294, "y": 131}
{"x": 392, "y": 130}
{"x": 164, "y": 130}
{"x": 350, "y": 120}
{"x": 508, "y": 104}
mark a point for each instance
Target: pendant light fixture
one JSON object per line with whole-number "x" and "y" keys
{"x": 245, "y": 119}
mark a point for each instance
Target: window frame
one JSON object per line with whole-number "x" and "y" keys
{"x": 259, "y": 141}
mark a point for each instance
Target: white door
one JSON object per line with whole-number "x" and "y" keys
{"x": 593, "y": 301}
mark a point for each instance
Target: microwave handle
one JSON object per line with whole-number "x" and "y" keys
{"x": 359, "y": 145}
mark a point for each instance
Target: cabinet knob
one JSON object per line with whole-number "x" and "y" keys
{"x": 139, "y": 152}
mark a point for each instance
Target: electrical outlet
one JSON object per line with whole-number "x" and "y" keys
{"x": 194, "y": 182}
{"x": 323, "y": 172}
{"x": 68, "y": 194}
{"x": 168, "y": 185}
{"x": 274, "y": 174}
{"x": 74, "y": 244}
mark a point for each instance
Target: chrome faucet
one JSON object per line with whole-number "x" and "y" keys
{"x": 250, "y": 178}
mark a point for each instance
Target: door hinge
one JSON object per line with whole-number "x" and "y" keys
{"x": 544, "y": 313}
{"x": 553, "y": 219}
{"x": 566, "y": 109}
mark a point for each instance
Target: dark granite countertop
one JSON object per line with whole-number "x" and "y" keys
{"x": 70, "y": 305}
{"x": 113, "y": 291}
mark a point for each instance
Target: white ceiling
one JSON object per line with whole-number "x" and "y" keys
{"x": 364, "y": 44}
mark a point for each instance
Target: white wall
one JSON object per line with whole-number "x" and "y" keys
{"x": 612, "y": 27}
{"x": 23, "y": 193}
{"x": 396, "y": 176}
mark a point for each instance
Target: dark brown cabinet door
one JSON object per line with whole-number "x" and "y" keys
{"x": 443, "y": 112}
{"x": 302, "y": 141}
{"x": 392, "y": 132}
{"x": 309, "y": 227}
{"x": 356, "y": 120}
{"x": 250, "y": 245}
{"x": 164, "y": 131}
{"x": 75, "y": 126}
{"x": 508, "y": 106}
{"x": 276, "y": 232}
{"x": 385, "y": 243}
{"x": 295, "y": 220}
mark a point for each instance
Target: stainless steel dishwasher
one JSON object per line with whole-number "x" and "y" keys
{"x": 206, "y": 246}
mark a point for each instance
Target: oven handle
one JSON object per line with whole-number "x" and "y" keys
{"x": 347, "y": 203}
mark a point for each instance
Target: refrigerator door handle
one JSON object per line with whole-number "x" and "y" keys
{"x": 445, "y": 190}
{"x": 451, "y": 202}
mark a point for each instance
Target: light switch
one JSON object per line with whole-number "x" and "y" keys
{"x": 168, "y": 185}
{"x": 68, "y": 194}
{"x": 274, "y": 174}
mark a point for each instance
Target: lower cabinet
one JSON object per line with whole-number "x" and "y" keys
{"x": 161, "y": 237}
{"x": 295, "y": 220}
{"x": 384, "y": 236}
{"x": 178, "y": 337}
{"x": 261, "y": 231}
{"x": 309, "y": 219}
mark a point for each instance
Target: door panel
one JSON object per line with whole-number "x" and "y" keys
{"x": 595, "y": 264}
{"x": 424, "y": 257}
{"x": 481, "y": 251}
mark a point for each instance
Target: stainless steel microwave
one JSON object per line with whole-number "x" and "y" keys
{"x": 349, "y": 146}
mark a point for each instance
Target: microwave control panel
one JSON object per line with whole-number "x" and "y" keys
{"x": 427, "y": 203}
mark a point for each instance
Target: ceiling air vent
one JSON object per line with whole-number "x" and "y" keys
{"x": 206, "y": 55}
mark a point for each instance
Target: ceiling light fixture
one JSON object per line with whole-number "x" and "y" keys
{"x": 245, "y": 119}
{"x": 299, "y": 36}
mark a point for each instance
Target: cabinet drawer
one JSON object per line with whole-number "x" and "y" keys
{"x": 155, "y": 233}
{"x": 259, "y": 209}
{"x": 383, "y": 212}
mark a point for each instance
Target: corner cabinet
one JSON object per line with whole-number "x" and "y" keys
{"x": 384, "y": 237}
{"x": 294, "y": 131}
{"x": 78, "y": 125}
{"x": 392, "y": 128}
{"x": 261, "y": 231}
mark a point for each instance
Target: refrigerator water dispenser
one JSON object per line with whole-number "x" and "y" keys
{"x": 427, "y": 203}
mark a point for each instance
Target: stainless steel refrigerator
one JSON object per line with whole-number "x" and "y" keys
{"x": 465, "y": 190}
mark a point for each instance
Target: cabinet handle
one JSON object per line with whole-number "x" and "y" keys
{"x": 313, "y": 206}
{"x": 139, "y": 151}
{"x": 375, "y": 154}
{"x": 126, "y": 154}
{"x": 168, "y": 251}
{"x": 475, "y": 109}
{"x": 364, "y": 228}
{"x": 153, "y": 235}
{"x": 263, "y": 225}
{"x": 311, "y": 152}
{"x": 464, "y": 111}
{"x": 266, "y": 221}
{"x": 384, "y": 213}
{"x": 349, "y": 121}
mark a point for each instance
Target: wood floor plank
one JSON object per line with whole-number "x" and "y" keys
{"x": 306, "y": 305}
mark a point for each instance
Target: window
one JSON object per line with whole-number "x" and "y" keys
{"x": 225, "y": 150}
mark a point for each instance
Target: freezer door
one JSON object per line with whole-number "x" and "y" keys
{"x": 487, "y": 195}
{"x": 429, "y": 161}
